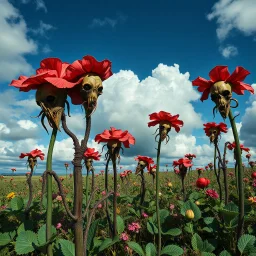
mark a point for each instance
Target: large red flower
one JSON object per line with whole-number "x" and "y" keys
{"x": 221, "y": 73}
{"x": 79, "y": 68}
{"x": 182, "y": 161}
{"x": 165, "y": 116}
{"x": 91, "y": 153}
{"x": 52, "y": 70}
{"x": 202, "y": 182}
{"x": 116, "y": 135}
{"x": 145, "y": 159}
{"x": 34, "y": 153}
{"x": 232, "y": 146}
{"x": 221, "y": 127}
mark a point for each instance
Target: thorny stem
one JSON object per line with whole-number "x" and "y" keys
{"x": 90, "y": 221}
{"x": 157, "y": 198}
{"x": 49, "y": 192}
{"x": 215, "y": 169}
{"x": 240, "y": 178}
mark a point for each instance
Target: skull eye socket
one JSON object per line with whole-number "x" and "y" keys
{"x": 87, "y": 87}
{"x": 226, "y": 93}
{"x": 50, "y": 99}
{"x": 100, "y": 90}
{"x": 214, "y": 97}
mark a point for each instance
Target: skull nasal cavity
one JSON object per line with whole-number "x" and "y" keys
{"x": 50, "y": 99}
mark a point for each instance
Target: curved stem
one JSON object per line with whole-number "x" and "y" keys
{"x": 240, "y": 177}
{"x": 49, "y": 192}
{"x": 157, "y": 198}
{"x": 215, "y": 169}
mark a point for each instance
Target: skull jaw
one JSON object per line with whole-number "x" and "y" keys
{"x": 164, "y": 127}
{"x": 140, "y": 167}
{"x": 113, "y": 149}
{"x": 88, "y": 164}
{"x": 224, "y": 110}
{"x": 32, "y": 163}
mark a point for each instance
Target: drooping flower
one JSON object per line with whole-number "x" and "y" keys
{"x": 210, "y": 165}
{"x": 232, "y": 146}
{"x": 143, "y": 161}
{"x": 190, "y": 156}
{"x": 91, "y": 153}
{"x": 66, "y": 165}
{"x": 221, "y": 73}
{"x": 212, "y": 193}
{"x": 213, "y": 130}
{"x": 248, "y": 156}
{"x": 202, "y": 182}
{"x": 114, "y": 138}
{"x": 166, "y": 121}
{"x": 32, "y": 157}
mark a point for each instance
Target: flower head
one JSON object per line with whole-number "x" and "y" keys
{"x": 248, "y": 156}
{"x": 202, "y": 182}
{"x": 10, "y": 195}
{"x": 232, "y": 146}
{"x": 213, "y": 130}
{"x": 134, "y": 227}
{"x": 34, "y": 154}
{"x": 124, "y": 236}
{"x": 190, "y": 156}
{"x": 143, "y": 161}
{"x": 212, "y": 193}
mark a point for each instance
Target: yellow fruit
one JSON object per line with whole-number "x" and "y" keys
{"x": 169, "y": 184}
{"x": 190, "y": 214}
{"x": 197, "y": 202}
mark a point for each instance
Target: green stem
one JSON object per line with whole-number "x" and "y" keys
{"x": 49, "y": 192}
{"x": 215, "y": 170}
{"x": 157, "y": 198}
{"x": 240, "y": 177}
{"x": 87, "y": 188}
{"x": 114, "y": 197}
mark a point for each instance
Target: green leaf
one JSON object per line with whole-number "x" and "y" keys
{"x": 108, "y": 242}
{"x": 208, "y": 254}
{"x": 41, "y": 236}
{"x": 172, "y": 250}
{"x": 136, "y": 247}
{"x": 67, "y": 247}
{"x": 150, "y": 249}
{"x": 151, "y": 227}
{"x": 6, "y": 238}
{"x": 207, "y": 229}
{"x": 163, "y": 215}
{"x": 17, "y": 203}
{"x": 25, "y": 242}
{"x": 246, "y": 243}
{"x": 189, "y": 205}
{"x": 197, "y": 242}
{"x": 229, "y": 212}
{"x": 225, "y": 253}
{"x": 207, "y": 247}
{"x": 26, "y": 225}
{"x": 133, "y": 211}
{"x": 208, "y": 220}
{"x": 189, "y": 228}
{"x": 120, "y": 224}
{"x": 91, "y": 234}
{"x": 173, "y": 232}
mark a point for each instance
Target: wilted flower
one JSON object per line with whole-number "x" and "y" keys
{"x": 212, "y": 193}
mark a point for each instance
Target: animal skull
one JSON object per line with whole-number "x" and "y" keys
{"x": 52, "y": 101}
{"x": 114, "y": 148}
{"x": 165, "y": 127}
{"x": 88, "y": 163}
{"x": 91, "y": 89}
{"x": 214, "y": 132}
{"x": 32, "y": 162}
{"x": 221, "y": 94}
{"x": 141, "y": 165}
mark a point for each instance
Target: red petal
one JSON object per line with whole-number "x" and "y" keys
{"x": 205, "y": 94}
{"x": 153, "y": 123}
{"x": 238, "y": 75}
{"x": 60, "y": 82}
{"x": 219, "y": 73}
{"x": 52, "y": 64}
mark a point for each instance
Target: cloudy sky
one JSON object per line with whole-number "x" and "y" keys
{"x": 156, "y": 48}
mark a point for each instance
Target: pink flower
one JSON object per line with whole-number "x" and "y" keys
{"x": 99, "y": 206}
{"x": 144, "y": 215}
{"x": 59, "y": 198}
{"x": 124, "y": 236}
{"x": 254, "y": 183}
{"x": 172, "y": 206}
{"x": 103, "y": 193}
{"x": 134, "y": 227}
{"x": 212, "y": 193}
{"x": 58, "y": 226}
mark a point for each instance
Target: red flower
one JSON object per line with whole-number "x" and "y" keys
{"x": 190, "y": 156}
{"x": 13, "y": 169}
{"x": 165, "y": 116}
{"x": 79, "y": 68}
{"x": 233, "y": 146}
{"x": 202, "y": 183}
{"x": 200, "y": 169}
{"x": 182, "y": 161}
{"x": 220, "y": 73}
{"x": 206, "y": 167}
{"x": 210, "y": 165}
{"x": 212, "y": 193}
{"x": 91, "y": 153}
{"x": 152, "y": 169}
{"x": 221, "y": 127}
{"x": 52, "y": 70}
{"x": 34, "y": 153}
{"x": 66, "y": 165}
{"x": 116, "y": 135}
{"x": 145, "y": 159}
{"x": 253, "y": 175}
{"x": 248, "y": 156}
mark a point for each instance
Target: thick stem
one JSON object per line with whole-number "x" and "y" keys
{"x": 215, "y": 170}
{"x": 49, "y": 192}
{"x": 240, "y": 178}
{"x": 87, "y": 186}
{"x": 157, "y": 198}
{"x": 114, "y": 196}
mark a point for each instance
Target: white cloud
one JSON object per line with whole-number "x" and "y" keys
{"x": 14, "y": 43}
{"x": 228, "y": 51}
{"x": 46, "y": 49}
{"x": 26, "y": 124}
{"x": 40, "y": 4}
{"x": 4, "y": 129}
{"x": 234, "y": 14}
{"x": 42, "y": 29}
{"x": 112, "y": 22}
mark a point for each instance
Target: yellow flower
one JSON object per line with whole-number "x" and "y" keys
{"x": 11, "y": 195}
{"x": 252, "y": 200}
{"x": 169, "y": 184}
{"x": 117, "y": 210}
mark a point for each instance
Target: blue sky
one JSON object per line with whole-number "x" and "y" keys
{"x": 137, "y": 38}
